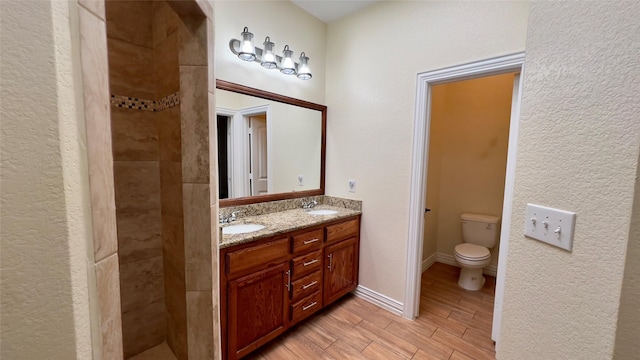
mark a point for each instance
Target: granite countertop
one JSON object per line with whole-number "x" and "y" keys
{"x": 282, "y": 222}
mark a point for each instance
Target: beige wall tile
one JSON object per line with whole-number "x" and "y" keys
{"x": 192, "y": 41}
{"x": 130, "y": 21}
{"x": 141, "y": 283}
{"x": 215, "y": 233}
{"x": 176, "y": 301}
{"x": 206, "y": 7}
{"x": 131, "y": 69}
{"x": 195, "y": 124}
{"x": 93, "y": 48}
{"x": 169, "y": 130}
{"x": 185, "y": 8}
{"x": 139, "y": 235}
{"x": 94, "y": 6}
{"x": 166, "y": 67}
{"x": 165, "y": 21}
{"x": 197, "y": 236}
{"x": 217, "y": 344}
{"x": 108, "y": 284}
{"x": 135, "y": 134}
{"x": 143, "y": 328}
{"x": 171, "y": 188}
{"x": 173, "y": 238}
{"x": 211, "y": 55}
{"x": 213, "y": 151}
{"x": 176, "y": 335}
{"x": 215, "y": 277}
{"x": 200, "y": 325}
{"x": 137, "y": 185}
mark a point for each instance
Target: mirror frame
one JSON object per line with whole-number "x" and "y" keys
{"x": 241, "y": 89}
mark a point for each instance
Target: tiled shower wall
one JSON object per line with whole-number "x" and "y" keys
{"x": 143, "y": 63}
{"x": 167, "y": 74}
{"x": 200, "y": 238}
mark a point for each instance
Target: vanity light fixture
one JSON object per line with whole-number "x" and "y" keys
{"x": 268, "y": 57}
{"x": 303, "y": 69}
{"x": 246, "y": 51}
{"x": 288, "y": 67}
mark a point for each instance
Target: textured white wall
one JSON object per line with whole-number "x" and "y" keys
{"x": 577, "y": 150}
{"x": 285, "y": 24}
{"x": 373, "y": 58}
{"x": 45, "y": 210}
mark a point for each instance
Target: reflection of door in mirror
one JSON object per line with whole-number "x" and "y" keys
{"x": 258, "y": 158}
{"x": 224, "y": 156}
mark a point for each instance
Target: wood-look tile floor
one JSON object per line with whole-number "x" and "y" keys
{"x": 453, "y": 324}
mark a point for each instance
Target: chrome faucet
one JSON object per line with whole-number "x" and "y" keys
{"x": 309, "y": 204}
{"x": 228, "y": 219}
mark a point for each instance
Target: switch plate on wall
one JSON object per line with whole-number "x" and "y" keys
{"x": 551, "y": 226}
{"x": 352, "y": 185}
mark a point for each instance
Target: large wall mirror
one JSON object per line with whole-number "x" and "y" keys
{"x": 270, "y": 146}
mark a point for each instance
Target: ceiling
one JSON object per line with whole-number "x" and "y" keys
{"x": 330, "y": 10}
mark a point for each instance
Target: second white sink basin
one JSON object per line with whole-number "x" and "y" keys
{"x": 241, "y": 229}
{"x": 321, "y": 212}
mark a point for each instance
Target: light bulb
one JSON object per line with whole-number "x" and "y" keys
{"x": 247, "y": 50}
{"x": 303, "y": 69}
{"x": 288, "y": 66}
{"x": 268, "y": 58}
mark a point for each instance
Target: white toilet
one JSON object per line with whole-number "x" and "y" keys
{"x": 479, "y": 234}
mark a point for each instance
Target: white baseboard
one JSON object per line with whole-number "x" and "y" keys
{"x": 490, "y": 270}
{"x": 426, "y": 263}
{"x": 376, "y": 298}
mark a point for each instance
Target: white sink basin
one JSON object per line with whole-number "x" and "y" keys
{"x": 241, "y": 229}
{"x": 321, "y": 212}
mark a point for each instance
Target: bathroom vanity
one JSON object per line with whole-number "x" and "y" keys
{"x": 273, "y": 278}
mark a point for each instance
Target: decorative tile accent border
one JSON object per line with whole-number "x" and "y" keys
{"x": 168, "y": 101}
{"x": 129, "y": 102}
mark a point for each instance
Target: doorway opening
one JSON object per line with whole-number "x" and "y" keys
{"x": 422, "y": 130}
{"x": 224, "y": 154}
{"x": 244, "y": 151}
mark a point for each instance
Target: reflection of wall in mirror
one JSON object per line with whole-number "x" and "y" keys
{"x": 294, "y": 141}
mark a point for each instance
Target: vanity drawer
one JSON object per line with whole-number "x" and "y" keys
{"x": 307, "y": 285}
{"x": 256, "y": 257}
{"x": 306, "y": 264}
{"x": 342, "y": 230}
{"x": 306, "y": 306}
{"x": 306, "y": 242}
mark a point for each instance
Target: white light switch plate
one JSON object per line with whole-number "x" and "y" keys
{"x": 352, "y": 185}
{"x": 550, "y": 225}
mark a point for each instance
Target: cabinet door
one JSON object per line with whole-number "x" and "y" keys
{"x": 341, "y": 269}
{"x": 256, "y": 309}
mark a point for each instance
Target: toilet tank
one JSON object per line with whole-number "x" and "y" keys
{"x": 480, "y": 229}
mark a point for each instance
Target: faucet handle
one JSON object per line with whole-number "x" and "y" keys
{"x": 232, "y": 217}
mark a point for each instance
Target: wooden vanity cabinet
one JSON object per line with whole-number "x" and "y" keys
{"x": 257, "y": 304}
{"x": 341, "y": 259}
{"x": 269, "y": 285}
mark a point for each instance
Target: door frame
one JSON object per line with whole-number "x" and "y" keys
{"x": 417, "y": 201}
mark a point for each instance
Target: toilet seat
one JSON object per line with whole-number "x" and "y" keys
{"x": 472, "y": 252}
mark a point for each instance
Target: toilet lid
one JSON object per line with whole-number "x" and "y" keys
{"x": 472, "y": 252}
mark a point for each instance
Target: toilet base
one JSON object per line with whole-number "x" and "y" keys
{"x": 471, "y": 279}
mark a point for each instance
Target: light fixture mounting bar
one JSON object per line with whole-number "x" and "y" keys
{"x": 234, "y": 45}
